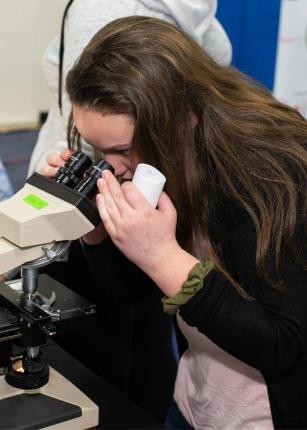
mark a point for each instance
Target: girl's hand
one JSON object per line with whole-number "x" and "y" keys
{"x": 54, "y": 162}
{"x": 147, "y": 236}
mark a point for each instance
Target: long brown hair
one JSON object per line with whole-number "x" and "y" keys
{"x": 208, "y": 128}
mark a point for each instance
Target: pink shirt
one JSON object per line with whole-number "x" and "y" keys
{"x": 215, "y": 390}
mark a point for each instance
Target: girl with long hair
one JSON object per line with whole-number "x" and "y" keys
{"x": 226, "y": 244}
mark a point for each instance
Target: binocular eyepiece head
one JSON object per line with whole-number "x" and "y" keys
{"x": 79, "y": 173}
{"x": 72, "y": 171}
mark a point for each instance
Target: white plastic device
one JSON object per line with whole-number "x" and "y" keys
{"x": 149, "y": 181}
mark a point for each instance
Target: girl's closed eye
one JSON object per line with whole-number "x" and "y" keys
{"x": 125, "y": 152}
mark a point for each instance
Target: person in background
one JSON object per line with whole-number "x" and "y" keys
{"x": 6, "y": 189}
{"x": 137, "y": 336}
{"x": 226, "y": 245}
{"x": 82, "y": 20}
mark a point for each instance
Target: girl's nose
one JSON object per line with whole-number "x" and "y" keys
{"x": 116, "y": 164}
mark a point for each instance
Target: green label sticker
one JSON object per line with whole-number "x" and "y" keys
{"x": 35, "y": 201}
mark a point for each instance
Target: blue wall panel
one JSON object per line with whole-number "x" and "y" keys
{"x": 252, "y": 26}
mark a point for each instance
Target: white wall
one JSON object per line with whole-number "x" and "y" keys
{"x": 290, "y": 84}
{"x": 26, "y": 27}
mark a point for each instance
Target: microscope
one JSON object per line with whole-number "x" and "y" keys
{"x": 37, "y": 225}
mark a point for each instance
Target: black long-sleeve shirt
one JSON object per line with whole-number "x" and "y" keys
{"x": 267, "y": 332}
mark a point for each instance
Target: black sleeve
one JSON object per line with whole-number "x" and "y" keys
{"x": 267, "y": 332}
{"x": 122, "y": 281}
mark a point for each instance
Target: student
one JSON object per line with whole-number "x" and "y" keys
{"x": 227, "y": 243}
{"x": 139, "y": 362}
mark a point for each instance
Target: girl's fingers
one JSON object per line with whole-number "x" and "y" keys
{"x": 49, "y": 171}
{"x": 66, "y": 154}
{"x": 165, "y": 205}
{"x": 109, "y": 204}
{"x": 134, "y": 196}
{"x": 55, "y": 160}
{"x": 104, "y": 215}
{"x": 115, "y": 190}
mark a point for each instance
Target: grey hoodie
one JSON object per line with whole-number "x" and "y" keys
{"x": 85, "y": 18}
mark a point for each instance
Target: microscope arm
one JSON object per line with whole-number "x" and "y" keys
{"x": 13, "y": 256}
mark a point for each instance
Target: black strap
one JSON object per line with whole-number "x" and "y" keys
{"x": 61, "y": 56}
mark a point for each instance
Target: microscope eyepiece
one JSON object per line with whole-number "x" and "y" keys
{"x": 73, "y": 170}
{"x": 87, "y": 186}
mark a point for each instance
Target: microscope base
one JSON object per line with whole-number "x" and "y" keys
{"x": 57, "y": 405}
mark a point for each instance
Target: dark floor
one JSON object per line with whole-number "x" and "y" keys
{"x": 15, "y": 150}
